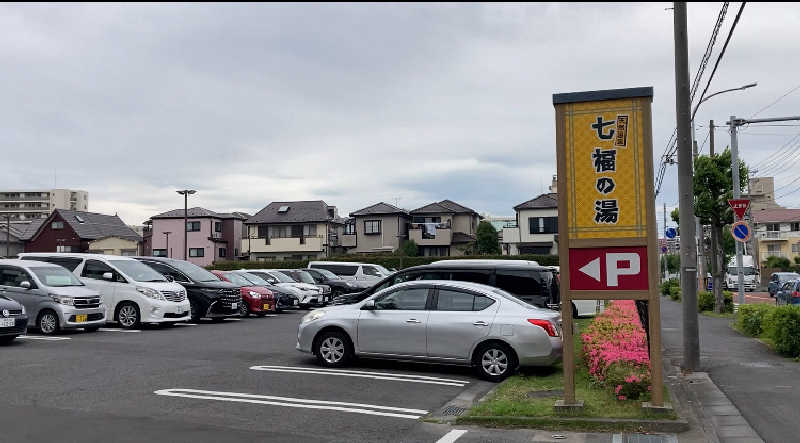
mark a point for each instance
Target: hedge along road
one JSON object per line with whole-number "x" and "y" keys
{"x": 105, "y": 384}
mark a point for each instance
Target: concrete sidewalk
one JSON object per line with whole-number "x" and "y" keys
{"x": 763, "y": 386}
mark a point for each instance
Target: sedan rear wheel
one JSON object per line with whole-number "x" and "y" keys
{"x": 495, "y": 362}
{"x": 333, "y": 349}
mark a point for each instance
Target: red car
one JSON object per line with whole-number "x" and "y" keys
{"x": 256, "y": 300}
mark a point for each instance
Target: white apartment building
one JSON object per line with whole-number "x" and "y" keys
{"x": 29, "y": 205}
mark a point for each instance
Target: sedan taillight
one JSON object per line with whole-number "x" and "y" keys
{"x": 795, "y": 294}
{"x": 544, "y": 324}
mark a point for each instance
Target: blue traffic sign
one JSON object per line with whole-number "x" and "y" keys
{"x": 741, "y": 231}
{"x": 671, "y": 233}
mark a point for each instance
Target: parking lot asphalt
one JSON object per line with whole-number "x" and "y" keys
{"x": 238, "y": 380}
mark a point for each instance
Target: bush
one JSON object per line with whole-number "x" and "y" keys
{"x": 667, "y": 285}
{"x": 728, "y": 300}
{"x": 387, "y": 261}
{"x": 675, "y": 293}
{"x": 782, "y": 326}
{"x": 751, "y": 319}
{"x": 705, "y": 301}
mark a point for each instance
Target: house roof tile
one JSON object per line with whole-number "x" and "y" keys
{"x": 298, "y": 212}
{"x": 94, "y": 226}
{"x": 543, "y": 201}
{"x": 200, "y": 212}
{"x": 377, "y": 209}
{"x": 776, "y": 215}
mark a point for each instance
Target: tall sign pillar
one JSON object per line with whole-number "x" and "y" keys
{"x": 608, "y": 244}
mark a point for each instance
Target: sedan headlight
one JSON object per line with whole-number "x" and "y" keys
{"x": 313, "y": 315}
{"x": 23, "y": 309}
{"x": 69, "y": 301}
{"x": 151, "y": 293}
{"x": 254, "y": 294}
{"x": 349, "y": 284}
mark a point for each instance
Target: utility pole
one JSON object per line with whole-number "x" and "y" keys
{"x": 698, "y": 228}
{"x": 691, "y": 336}
{"x": 8, "y": 235}
{"x": 664, "y": 255}
{"x": 185, "y": 193}
{"x": 716, "y": 263}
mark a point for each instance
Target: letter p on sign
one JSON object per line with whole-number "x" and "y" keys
{"x": 613, "y": 271}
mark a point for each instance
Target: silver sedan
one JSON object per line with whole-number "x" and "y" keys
{"x": 436, "y": 321}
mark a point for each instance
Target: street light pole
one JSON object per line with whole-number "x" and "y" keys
{"x": 167, "y": 235}
{"x": 186, "y": 193}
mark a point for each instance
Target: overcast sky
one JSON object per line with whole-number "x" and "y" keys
{"x": 353, "y": 104}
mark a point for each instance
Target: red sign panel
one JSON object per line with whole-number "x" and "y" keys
{"x": 739, "y": 207}
{"x": 608, "y": 269}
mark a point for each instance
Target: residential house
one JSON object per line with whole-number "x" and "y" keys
{"x": 20, "y": 232}
{"x": 210, "y": 235}
{"x": 777, "y": 233}
{"x": 444, "y": 228}
{"x": 78, "y": 231}
{"x": 378, "y": 228}
{"x": 536, "y": 228}
{"x": 294, "y": 230}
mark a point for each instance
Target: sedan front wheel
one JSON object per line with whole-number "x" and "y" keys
{"x": 333, "y": 349}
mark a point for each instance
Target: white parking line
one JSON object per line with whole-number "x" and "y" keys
{"x": 185, "y": 324}
{"x": 356, "y": 408}
{"x": 365, "y": 374}
{"x": 232, "y": 319}
{"x": 451, "y": 436}
{"x": 118, "y": 330}
{"x": 39, "y": 337}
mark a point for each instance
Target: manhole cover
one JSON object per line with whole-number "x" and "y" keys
{"x": 546, "y": 394}
{"x": 453, "y": 410}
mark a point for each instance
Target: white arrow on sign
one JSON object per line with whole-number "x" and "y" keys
{"x": 592, "y": 269}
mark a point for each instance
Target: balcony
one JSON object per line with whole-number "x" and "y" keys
{"x": 348, "y": 240}
{"x": 290, "y": 244}
{"x": 26, "y": 198}
{"x": 216, "y": 236}
{"x": 777, "y": 235}
{"x": 511, "y": 235}
{"x": 439, "y": 235}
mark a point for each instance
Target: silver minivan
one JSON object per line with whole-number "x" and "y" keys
{"x": 53, "y": 297}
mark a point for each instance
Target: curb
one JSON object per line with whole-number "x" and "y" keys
{"x": 560, "y": 423}
{"x": 463, "y": 402}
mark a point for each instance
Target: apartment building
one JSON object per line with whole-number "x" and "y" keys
{"x": 79, "y": 231}
{"x": 210, "y": 235}
{"x": 378, "y": 228}
{"x": 536, "y": 227}
{"x": 444, "y": 228}
{"x": 293, "y": 230}
{"x": 29, "y": 205}
{"x": 777, "y": 233}
{"x": 761, "y": 193}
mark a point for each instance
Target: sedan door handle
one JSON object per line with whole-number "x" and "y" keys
{"x": 413, "y": 320}
{"x": 481, "y": 323}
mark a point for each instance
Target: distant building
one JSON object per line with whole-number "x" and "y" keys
{"x": 28, "y": 205}
{"x": 445, "y": 228}
{"x": 378, "y": 228}
{"x": 536, "y": 227}
{"x": 11, "y": 245}
{"x": 294, "y": 230}
{"x": 79, "y": 231}
{"x": 777, "y": 233}
{"x": 761, "y": 193}
{"x": 211, "y": 236}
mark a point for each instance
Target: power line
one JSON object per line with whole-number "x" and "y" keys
{"x": 776, "y": 101}
{"x": 724, "y": 47}
{"x": 780, "y": 151}
{"x": 709, "y": 49}
{"x": 787, "y": 185}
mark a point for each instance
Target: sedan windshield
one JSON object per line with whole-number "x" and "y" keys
{"x": 137, "y": 271}
{"x": 56, "y": 277}
{"x": 194, "y": 272}
{"x": 283, "y": 278}
{"x": 328, "y": 274}
{"x": 237, "y": 279}
{"x": 304, "y": 277}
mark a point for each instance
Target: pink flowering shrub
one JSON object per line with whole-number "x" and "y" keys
{"x": 615, "y": 351}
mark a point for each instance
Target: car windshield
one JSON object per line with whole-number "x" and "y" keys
{"x": 787, "y": 277}
{"x": 194, "y": 272}
{"x": 283, "y": 278}
{"x": 304, "y": 277}
{"x": 237, "y": 279}
{"x": 383, "y": 270}
{"x": 56, "y": 277}
{"x": 328, "y": 274}
{"x": 254, "y": 279}
{"x": 745, "y": 271}
{"x": 137, "y": 271}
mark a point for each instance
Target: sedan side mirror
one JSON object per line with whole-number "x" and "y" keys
{"x": 25, "y": 285}
{"x": 169, "y": 278}
{"x": 108, "y": 276}
{"x": 368, "y": 305}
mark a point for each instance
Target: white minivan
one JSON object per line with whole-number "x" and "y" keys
{"x": 353, "y": 271}
{"x": 132, "y": 292}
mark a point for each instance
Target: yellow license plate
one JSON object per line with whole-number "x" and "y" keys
{"x": 266, "y": 306}
{"x": 81, "y": 318}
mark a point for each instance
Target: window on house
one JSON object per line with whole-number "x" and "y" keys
{"x": 309, "y": 230}
{"x": 64, "y": 248}
{"x": 279, "y": 231}
{"x": 543, "y": 225}
{"x": 217, "y": 226}
{"x": 193, "y": 226}
{"x": 222, "y": 252}
{"x": 236, "y": 252}
{"x": 773, "y": 249}
{"x": 795, "y": 227}
{"x": 159, "y": 252}
{"x": 773, "y": 227}
{"x": 196, "y": 252}
{"x": 372, "y": 227}
{"x": 796, "y": 248}
{"x": 350, "y": 229}
{"x": 57, "y": 225}
{"x": 262, "y": 231}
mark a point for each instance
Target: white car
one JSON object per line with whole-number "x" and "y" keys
{"x": 306, "y": 293}
{"x": 353, "y": 271}
{"x": 132, "y": 292}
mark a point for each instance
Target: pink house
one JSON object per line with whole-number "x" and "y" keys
{"x": 211, "y": 236}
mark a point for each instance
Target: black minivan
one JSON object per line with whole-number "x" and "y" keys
{"x": 208, "y": 295}
{"x": 527, "y": 281}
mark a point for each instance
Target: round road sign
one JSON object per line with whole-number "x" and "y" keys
{"x": 741, "y": 231}
{"x": 671, "y": 232}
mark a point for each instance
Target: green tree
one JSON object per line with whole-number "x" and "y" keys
{"x": 408, "y": 249}
{"x": 781, "y": 263}
{"x": 713, "y": 187}
{"x": 673, "y": 262}
{"x": 488, "y": 243}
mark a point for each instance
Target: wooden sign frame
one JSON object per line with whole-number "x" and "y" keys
{"x": 641, "y": 99}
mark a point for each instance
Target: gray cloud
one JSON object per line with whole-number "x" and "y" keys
{"x": 350, "y": 103}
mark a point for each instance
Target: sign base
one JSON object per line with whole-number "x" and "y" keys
{"x": 649, "y": 407}
{"x": 562, "y": 407}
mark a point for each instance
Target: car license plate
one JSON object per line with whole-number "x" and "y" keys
{"x": 234, "y": 305}
{"x": 266, "y": 306}
{"x": 7, "y": 322}
{"x": 81, "y": 318}
{"x": 295, "y": 302}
